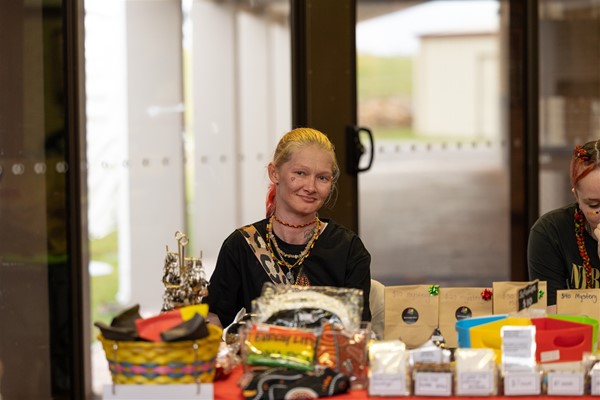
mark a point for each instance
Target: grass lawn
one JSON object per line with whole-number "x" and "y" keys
{"x": 383, "y": 76}
{"x": 104, "y": 288}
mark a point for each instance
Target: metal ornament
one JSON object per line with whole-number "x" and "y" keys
{"x": 183, "y": 277}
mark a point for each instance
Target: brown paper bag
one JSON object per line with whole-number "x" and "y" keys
{"x": 579, "y": 302}
{"x": 411, "y": 314}
{"x": 505, "y": 296}
{"x": 457, "y": 304}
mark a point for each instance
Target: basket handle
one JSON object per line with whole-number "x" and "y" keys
{"x": 115, "y": 347}
{"x": 196, "y": 348}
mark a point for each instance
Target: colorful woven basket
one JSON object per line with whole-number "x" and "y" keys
{"x": 190, "y": 361}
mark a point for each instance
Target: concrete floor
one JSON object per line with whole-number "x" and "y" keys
{"x": 437, "y": 215}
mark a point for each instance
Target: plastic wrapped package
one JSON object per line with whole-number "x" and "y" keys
{"x": 476, "y": 373}
{"x": 388, "y": 369}
{"x": 521, "y": 375}
{"x": 345, "y": 351}
{"x": 431, "y": 370}
{"x": 288, "y": 305}
{"x": 591, "y": 366}
{"x": 266, "y": 345}
{"x": 563, "y": 379}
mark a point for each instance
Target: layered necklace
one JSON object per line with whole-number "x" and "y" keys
{"x": 280, "y": 257}
{"x": 579, "y": 234}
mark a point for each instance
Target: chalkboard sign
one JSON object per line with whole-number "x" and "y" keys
{"x": 528, "y": 296}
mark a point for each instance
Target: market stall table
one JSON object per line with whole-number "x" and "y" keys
{"x": 227, "y": 389}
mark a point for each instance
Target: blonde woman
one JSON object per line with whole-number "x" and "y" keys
{"x": 303, "y": 249}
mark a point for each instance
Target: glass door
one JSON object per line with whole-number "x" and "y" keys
{"x": 431, "y": 79}
{"x": 180, "y": 128}
{"x": 569, "y": 83}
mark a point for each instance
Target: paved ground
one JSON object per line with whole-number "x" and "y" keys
{"x": 437, "y": 215}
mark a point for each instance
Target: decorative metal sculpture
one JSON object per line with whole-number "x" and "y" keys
{"x": 184, "y": 279}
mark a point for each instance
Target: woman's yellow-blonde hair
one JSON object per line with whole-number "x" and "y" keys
{"x": 289, "y": 144}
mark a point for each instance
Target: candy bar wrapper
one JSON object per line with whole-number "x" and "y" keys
{"x": 277, "y": 346}
{"x": 476, "y": 372}
{"x": 411, "y": 314}
{"x": 388, "y": 369}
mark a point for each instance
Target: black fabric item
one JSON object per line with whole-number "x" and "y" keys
{"x": 553, "y": 255}
{"x": 303, "y": 318}
{"x": 117, "y": 333}
{"x": 192, "y": 329}
{"x": 339, "y": 258}
{"x": 281, "y": 383}
{"x": 126, "y": 319}
{"x": 122, "y": 326}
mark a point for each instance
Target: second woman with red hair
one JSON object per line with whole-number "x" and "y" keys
{"x": 563, "y": 244}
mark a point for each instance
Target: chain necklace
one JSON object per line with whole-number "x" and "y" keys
{"x": 295, "y": 226}
{"x": 301, "y": 279}
{"x": 579, "y": 229}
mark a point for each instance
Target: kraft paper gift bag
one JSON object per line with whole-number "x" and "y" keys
{"x": 457, "y": 304}
{"x": 411, "y": 314}
{"x": 505, "y": 296}
{"x": 579, "y": 302}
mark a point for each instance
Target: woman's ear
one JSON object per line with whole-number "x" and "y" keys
{"x": 575, "y": 194}
{"x": 273, "y": 174}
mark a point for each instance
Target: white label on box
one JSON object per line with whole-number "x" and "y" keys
{"x": 595, "y": 383}
{"x": 387, "y": 385}
{"x": 565, "y": 383}
{"x": 521, "y": 383}
{"x": 475, "y": 383}
{"x": 518, "y": 346}
{"x": 428, "y": 356}
{"x": 548, "y": 356}
{"x": 433, "y": 384}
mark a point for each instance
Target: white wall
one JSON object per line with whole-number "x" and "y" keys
{"x": 242, "y": 106}
{"x": 155, "y": 129}
{"x": 457, "y": 86}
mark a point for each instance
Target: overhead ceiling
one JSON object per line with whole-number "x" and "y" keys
{"x": 365, "y": 9}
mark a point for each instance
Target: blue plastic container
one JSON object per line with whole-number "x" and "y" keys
{"x": 463, "y": 326}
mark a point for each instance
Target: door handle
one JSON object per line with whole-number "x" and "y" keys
{"x": 355, "y": 149}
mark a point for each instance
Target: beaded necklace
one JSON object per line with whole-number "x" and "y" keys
{"x": 301, "y": 279}
{"x": 579, "y": 229}
{"x": 295, "y": 226}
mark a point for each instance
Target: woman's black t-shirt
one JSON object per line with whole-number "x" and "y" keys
{"x": 338, "y": 258}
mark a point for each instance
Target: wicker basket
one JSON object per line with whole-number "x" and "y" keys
{"x": 190, "y": 361}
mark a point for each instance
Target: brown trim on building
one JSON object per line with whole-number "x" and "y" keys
{"x": 523, "y": 130}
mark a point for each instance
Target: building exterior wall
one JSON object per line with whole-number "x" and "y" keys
{"x": 446, "y": 106}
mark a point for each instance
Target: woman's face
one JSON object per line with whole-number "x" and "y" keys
{"x": 587, "y": 194}
{"x": 304, "y": 182}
